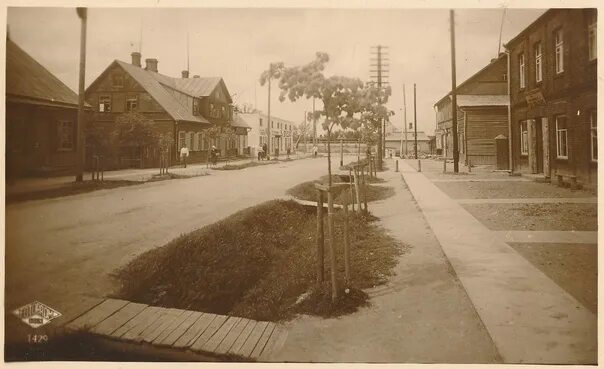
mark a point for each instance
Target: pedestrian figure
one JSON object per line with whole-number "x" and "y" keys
{"x": 315, "y": 151}
{"x": 184, "y": 154}
{"x": 265, "y": 150}
{"x": 214, "y": 155}
{"x": 260, "y": 153}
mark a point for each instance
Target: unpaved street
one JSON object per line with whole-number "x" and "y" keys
{"x": 62, "y": 247}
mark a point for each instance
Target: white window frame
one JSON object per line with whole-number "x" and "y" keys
{"x": 522, "y": 70}
{"x": 190, "y": 140}
{"x": 104, "y": 100}
{"x": 538, "y": 62}
{"x": 131, "y": 103}
{"x": 195, "y": 141}
{"x": 561, "y": 135}
{"x": 559, "y": 57}
{"x": 593, "y": 121}
{"x": 592, "y": 38}
{"x": 524, "y": 138}
{"x": 65, "y": 127}
{"x": 182, "y": 139}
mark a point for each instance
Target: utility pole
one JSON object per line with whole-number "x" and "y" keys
{"x": 405, "y": 121}
{"x": 305, "y": 132}
{"x": 81, "y": 138}
{"x": 415, "y": 120}
{"x": 380, "y": 76}
{"x": 454, "y": 96}
{"x": 314, "y": 124}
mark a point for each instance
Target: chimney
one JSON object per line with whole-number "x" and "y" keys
{"x": 151, "y": 65}
{"x": 185, "y": 74}
{"x": 196, "y": 76}
{"x": 136, "y": 58}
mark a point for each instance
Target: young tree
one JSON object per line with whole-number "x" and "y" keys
{"x": 342, "y": 97}
{"x": 133, "y": 129}
{"x": 375, "y": 112}
{"x": 274, "y": 72}
{"x": 211, "y": 134}
{"x": 229, "y": 134}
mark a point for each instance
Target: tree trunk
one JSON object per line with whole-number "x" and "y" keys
{"x": 329, "y": 154}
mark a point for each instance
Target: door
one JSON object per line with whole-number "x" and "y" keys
{"x": 539, "y": 145}
{"x": 546, "y": 153}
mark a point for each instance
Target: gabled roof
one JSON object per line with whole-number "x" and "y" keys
{"x": 199, "y": 87}
{"x": 152, "y": 83}
{"x": 482, "y": 100}
{"x": 28, "y": 81}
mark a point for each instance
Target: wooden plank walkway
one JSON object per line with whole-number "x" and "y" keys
{"x": 179, "y": 329}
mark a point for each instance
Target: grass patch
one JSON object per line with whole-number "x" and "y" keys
{"x": 169, "y": 175}
{"x": 69, "y": 189}
{"x": 245, "y": 165}
{"x": 256, "y": 264}
{"x": 307, "y": 191}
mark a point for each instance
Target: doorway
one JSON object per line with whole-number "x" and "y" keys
{"x": 539, "y": 144}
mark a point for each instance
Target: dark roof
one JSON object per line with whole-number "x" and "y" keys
{"x": 154, "y": 83}
{"x": 28, "y": 81}
{"x": 471, "y": 78}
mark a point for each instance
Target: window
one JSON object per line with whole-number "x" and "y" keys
{"x": 505, "y": 76}
{"x": 117, "y": 80}
{"x": 182, "y": 139}
{"x": 65, "y": 136}
{"x": 524, "y": 137}
{"x": 104, "y": 103}
{"x": 195, "y": 106}
{"x": 592, "y": 37}
{"x": 521, "y": 71}
{"x": 260, "y": 122}
{"x": 195, "y": 141}
{"x": 190, "y": 138}
{"x": 538, "y": 62}
{"x": 561, "y": 138}
{"x": 202, "y": 141}
{"x": 593, "y": 119}
{"x": 223, "y": 112}
{"x": 559, "y": 39}
{"x": 131, "y": 103}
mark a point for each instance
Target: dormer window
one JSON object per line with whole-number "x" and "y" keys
{"x": 195, "y": 106}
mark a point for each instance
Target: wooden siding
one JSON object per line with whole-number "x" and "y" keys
{"x": 483, "y": 125}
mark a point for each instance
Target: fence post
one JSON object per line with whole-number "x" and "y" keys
{"x": 445, "y": 165}
{"x": 419, "y": 165}
{"x": 356, "y": 187}
{"x": 396, "y": 170}
{"x": 350, "y": 180}
{"x": 332, "y": 250}
{"x": 364, "y": 188}
{"x": 320, "y": 237}
{"x": 346, "y": 244}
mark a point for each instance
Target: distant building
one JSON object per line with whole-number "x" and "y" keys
{"x": 553, "y": 70}
{"x": 482, "y": 115}
{"x": 182, "y": 109}
{"x": 41, "y": 119}
{"x": 393, "y": 142}
{"x": 281, "y": 132}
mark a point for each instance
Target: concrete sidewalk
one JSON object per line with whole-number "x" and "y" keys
{"x": 422, "y": 315}
{"x": 529, "y": 317}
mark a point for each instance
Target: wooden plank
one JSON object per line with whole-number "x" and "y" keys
{"x": 73, "y": 310}
{"x": 150, "y": 317}
{"x": 209, "y": 332}
{"x": 109, "y": 325}
{"x": 195, "y": 331}
{"x": 262, "y": 341}
{"x": 97, "y": 314}
{"x": 275, "y": 342}
{"x": 181, "y": 329}
{"x": 133, "y": 322}
{"x": 242, "y": 337}
{"x": 250, "y": 343}
{"x": 212, "y": 344}
{"x": 154, "y": 330}
{"x": 230, "y": 339}
{"x": 175, "y": 323}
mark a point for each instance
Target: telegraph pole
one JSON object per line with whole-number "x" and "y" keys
{"x": 380, "y": 76}
{"x": 81, "y": 138}
{"x": 405, "y": 121}
{"x": 268, "y": 124}
{"x": 415, "y": 120}
{"x": 454, "y": 95}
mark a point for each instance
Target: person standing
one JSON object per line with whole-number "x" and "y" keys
{"x": 315, "y": 151}
{"x": 184, "y": 154}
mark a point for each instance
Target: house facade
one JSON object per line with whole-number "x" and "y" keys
{"x": 553, "y": 89}
{"x": 41, "y": 119}
{"x": 482, "y": 115}
{"x": 281, "y": 132}
{"x": 182, "y": 110}
{"x": 395, "y": 142}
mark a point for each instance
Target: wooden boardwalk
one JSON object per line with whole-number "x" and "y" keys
{"x": 179, "y": 329}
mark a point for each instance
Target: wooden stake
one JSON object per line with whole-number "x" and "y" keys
{"x": 346, "y": 244}
{"x": 364, "y": 188}
{"x": 350, "y": 180}
{"x": 332, "y": 250}
{"x": 320, "y": 238}
{"x": 357, "y": 190}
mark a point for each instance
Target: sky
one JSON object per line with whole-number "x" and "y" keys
{"x": 237, "y": 44}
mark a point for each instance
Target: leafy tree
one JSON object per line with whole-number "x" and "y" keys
{"x": 342, "y": 97}
{"x": 134, "y": 130}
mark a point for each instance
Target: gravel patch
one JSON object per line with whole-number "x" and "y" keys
{"x": 574, "y": 267}
{"x": 536, "y": 217}
{"x": 501, "y": 190}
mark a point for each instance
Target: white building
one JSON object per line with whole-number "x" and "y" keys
{"x": 280, "y": 132}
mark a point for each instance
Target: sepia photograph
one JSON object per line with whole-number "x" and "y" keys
{"x": 305, "y": 182}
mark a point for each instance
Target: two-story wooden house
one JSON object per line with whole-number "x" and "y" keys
{"x": 553, "y": 83}
{"x": 482, "y": 115}
{"x": 182, "y": 109}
